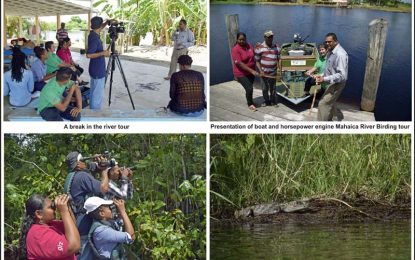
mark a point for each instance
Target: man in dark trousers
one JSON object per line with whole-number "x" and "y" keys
{"x": 335, "y": 75}
{"x": 187, "y": 89}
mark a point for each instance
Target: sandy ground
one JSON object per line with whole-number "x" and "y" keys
{"x": 199, "y": 54}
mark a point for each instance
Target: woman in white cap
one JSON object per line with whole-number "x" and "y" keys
{"x": 244, "y": 67}
{"x": 105, "y": 240}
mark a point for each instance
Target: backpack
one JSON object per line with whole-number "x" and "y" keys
{"x": 118, "y": 253}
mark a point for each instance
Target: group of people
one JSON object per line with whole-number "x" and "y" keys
{"x": 89, "y": 227}
{"x": 54, "y": 77}
{"x": 329, "y": 71}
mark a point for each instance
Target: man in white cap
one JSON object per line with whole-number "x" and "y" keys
{"x": 106, "y": 242}
{"x": 267, "y": 55}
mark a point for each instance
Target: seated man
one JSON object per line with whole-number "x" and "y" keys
{"x": 187, "y": 89}
{"x": 318, "y": 69}
{"x": 53, "y": 106}
{"x": 107, "y": 242}
{"x": 39, "y": 69}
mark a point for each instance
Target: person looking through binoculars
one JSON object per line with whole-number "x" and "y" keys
{"x": 81, "y": 184}
{"x": 104, "y": 239}
{"x": 120, "y": 183}
{"x": 42, "y": 235}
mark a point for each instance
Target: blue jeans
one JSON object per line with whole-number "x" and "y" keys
{"x": 53, "y": 114}
{"x": 192, "y": 114}
{"x": 97, "y": 93}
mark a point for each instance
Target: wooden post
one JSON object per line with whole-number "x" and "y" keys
{"x": 4, "y": 29}
{"x": 87, "y": 30}
{"x": 378, "y": 30}
{"x": 37, "y": 30}
{"x": 20, "y": 29}
{"x": 232, "y": 28}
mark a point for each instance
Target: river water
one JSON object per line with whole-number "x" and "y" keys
{"x": 293, "y": 241}
{"x": 351, "y": 26}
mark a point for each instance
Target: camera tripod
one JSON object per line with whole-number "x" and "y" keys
{"x": 111, "y": 67}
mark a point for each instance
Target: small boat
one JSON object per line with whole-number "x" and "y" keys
{"x": 296, "y": 58}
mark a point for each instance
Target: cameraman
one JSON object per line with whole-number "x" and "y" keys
{"x": 97, "y": 55}
{"x": 80, "y": 184}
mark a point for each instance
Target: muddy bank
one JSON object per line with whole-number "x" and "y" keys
{"x": 330, "y": 211}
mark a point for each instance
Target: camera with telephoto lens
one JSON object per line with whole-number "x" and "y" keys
{"x": 109, "y": 162}
{"x": 115, "y": 27}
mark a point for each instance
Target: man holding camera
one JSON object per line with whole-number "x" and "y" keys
{"x": 97, "y": 55}
{"x": 80, "y": 185}
{"x": 183, "y": 38}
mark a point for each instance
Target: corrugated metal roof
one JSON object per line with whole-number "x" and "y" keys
{"x": 43, "y": 8}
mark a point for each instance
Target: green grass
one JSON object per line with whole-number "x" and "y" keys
{"x": 249, "y": 169}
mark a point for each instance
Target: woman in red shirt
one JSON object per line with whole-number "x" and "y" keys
{"x": 244, "y": 66}
{"x": 44, "y": 237}
{"x": 64, "y": 53}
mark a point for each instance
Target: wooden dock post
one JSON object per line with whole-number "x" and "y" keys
{"x": 232, "y": 28}
{"x": 378, "y": 30}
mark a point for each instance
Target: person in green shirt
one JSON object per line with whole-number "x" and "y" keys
{"x": 56, "y": 96}
{"x": 317, "y": 69}
{"x": 53, "y": 63}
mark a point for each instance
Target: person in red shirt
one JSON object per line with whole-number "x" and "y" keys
{"x": 244, "y": 67}
{"x": 44, "y": 237}
{"x": 64, "y": 53}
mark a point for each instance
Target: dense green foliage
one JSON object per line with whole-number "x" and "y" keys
{"x": 168, "y": 208}
{"x": 250, "y": 169}
{"x": 160, "y": 17}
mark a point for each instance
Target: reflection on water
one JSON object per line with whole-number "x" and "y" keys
{"x": 351, "y": 26}
{"x": 345, "y": 241}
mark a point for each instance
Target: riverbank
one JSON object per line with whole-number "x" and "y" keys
{"x": 402, "y": 8}
{"x": 330, "y": 211}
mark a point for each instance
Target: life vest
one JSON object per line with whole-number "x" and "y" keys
{"x": 118, "y": 253}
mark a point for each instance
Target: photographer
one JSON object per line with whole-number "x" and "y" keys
{"x": 80, "y": 184}
{"x": 44, "y": 237}
{"x": 97, "y": 55}
{"x": 104, "y": 239}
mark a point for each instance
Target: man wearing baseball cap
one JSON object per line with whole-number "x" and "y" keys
{"x": 267, "y": 57}
{"x": 81, "y": 184}
{"x": 105, "y": 240}
{"x": 97, "y": 55}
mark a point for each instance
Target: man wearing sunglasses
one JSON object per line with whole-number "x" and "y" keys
{"x": 335, "y": 75}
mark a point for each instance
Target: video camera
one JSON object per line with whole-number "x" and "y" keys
{"x": 115, "y": 27}
{"x": 110, "y": 162}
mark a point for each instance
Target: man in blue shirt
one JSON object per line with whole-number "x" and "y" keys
{"x": 335, "y": 75}
{"x": 183, "y": 38}
{"x": 104, "y": 239}
{"x": 82, "y": 185}
{"x": 97, "y": 55}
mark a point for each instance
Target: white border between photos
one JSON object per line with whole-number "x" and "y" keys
{"x": 191, "y": 127}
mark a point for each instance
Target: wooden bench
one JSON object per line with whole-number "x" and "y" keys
{"x": 30, "y": 114}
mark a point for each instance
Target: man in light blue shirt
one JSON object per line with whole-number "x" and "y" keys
{"x": 183, "y": 38}
{"x": 104, "y": 239}
{"x": 335, "y": 74}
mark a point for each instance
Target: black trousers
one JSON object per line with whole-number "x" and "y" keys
{"x": 310, "y": 81}
{"x": 248, "y": 83}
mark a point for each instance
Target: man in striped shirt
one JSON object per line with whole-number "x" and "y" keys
{"x": 62, "y": 33}
{"x": 267, "y": 55}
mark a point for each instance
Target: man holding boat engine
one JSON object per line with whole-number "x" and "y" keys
{"x": 335, "y": 74}
{"x": 267, "y": 56}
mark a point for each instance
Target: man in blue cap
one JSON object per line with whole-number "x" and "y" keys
{"x": 97, "y": 55}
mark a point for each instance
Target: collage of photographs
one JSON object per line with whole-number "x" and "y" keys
{"x": 230, "y": 129}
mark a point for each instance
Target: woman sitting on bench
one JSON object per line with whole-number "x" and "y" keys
{"x": 18, "y": 82}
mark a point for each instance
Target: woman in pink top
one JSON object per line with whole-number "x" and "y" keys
{"x": 244, "y": 66}
{"x": 64, "y": 53}
{"x": 44, "y": 237}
